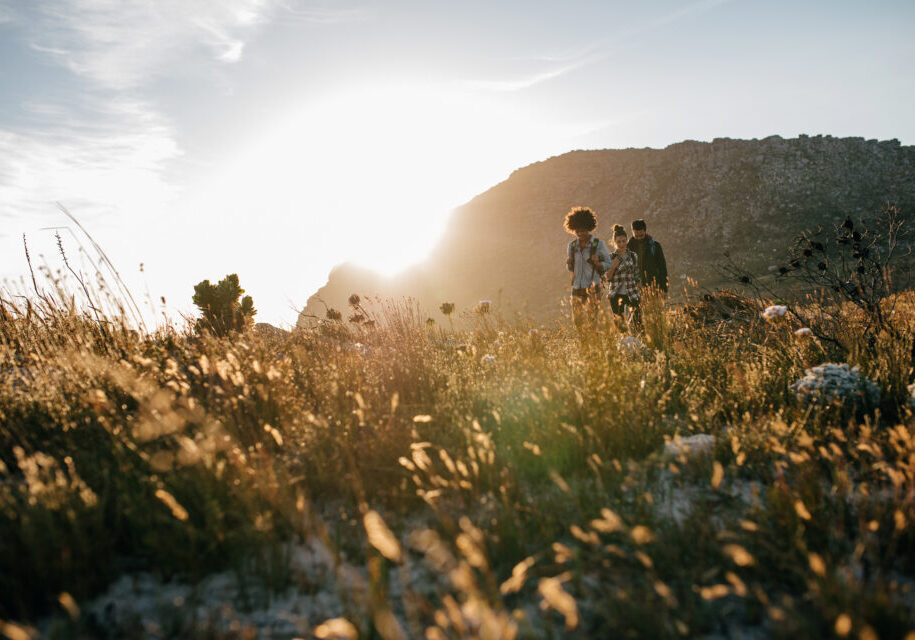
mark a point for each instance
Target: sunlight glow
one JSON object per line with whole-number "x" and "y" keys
{"x": 367, "y": 175}
{"x": 385, "y": 164}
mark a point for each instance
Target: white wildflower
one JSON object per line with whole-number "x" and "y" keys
{"x": 774, "y": 311}
{"x": 631, "y": 347}
{"x": 803, "y": 332}
{"x": 488, "y": 359}
{"x": 699, "y": 444}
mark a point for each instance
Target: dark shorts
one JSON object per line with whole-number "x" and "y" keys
{"x": 584, "y": 294}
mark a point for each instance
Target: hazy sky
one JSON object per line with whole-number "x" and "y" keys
{"x": 276, "y": 138}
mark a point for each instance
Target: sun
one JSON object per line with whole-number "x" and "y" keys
{"x": 369, "y": 174}
{"x": 386, "y": 161}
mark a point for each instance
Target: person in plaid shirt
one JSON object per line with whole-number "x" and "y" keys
{"x": 624, "y": 278}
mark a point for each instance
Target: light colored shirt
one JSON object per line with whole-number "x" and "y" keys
{"x": 585, "y": 274}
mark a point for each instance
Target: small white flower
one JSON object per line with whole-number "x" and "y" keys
{"x": 697, "y": 445}
{"x": 774, "y": 311}
{"x": 631, "y": 346}
{"x": 532, "y": 332}
{"x": 488, "y": 359}
{"x": 356, "y": 347}
{"x": 803, "y": 331}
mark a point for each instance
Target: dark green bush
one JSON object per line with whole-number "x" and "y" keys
{"x": 222, "y": 310}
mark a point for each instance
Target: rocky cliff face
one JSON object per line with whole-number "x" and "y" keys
{"x": 749, "y": 197}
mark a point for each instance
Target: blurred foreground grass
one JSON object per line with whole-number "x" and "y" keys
{"x": 525, "y": 466}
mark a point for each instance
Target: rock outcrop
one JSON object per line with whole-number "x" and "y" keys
{"x": 749, "y": 197}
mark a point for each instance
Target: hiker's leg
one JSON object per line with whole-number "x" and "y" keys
{"x": 635, "y": 308}
{"x": 594, "y": 307}
{"x": 617, "y": 306}
{"x": 578, "y": 310}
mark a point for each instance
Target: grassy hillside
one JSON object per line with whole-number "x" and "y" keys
{"x": 505, "y": 481}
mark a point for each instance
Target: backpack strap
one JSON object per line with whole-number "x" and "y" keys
{"x": 593, "y": 251}
{"x": 594, "y": 243}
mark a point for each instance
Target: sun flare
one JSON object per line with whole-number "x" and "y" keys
{"x": 381, "y": 166}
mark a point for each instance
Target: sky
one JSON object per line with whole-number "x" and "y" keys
{"x": 277, "y": 138}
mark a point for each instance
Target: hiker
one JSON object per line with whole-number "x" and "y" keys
{"x": 587, "y": 258}
{"x": 623, "y": 279}
{"x": 652, "y": 264}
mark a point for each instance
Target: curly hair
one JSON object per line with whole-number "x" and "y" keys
{"x": 580, "y": 218}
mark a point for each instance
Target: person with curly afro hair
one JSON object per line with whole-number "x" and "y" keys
{"x": 587, "y": 258}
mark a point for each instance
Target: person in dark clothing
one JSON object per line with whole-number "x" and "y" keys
{"x": 652, "y": 264}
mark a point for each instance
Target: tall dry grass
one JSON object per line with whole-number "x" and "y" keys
{"x": 526, "y": 467}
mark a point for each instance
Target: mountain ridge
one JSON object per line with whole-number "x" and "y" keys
{"x": 750, "y": 197}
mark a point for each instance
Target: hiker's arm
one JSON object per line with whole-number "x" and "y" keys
{"x": 570, "y": 260}
{"x": 640, "y": 269}
{"x": 613, "y": 267}
{"x": 603, "y": 256}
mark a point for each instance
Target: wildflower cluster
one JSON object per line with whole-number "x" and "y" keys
{"x": 775, "y": 311}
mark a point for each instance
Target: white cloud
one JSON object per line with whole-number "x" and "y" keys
{"x": 112, "y": 163}
{"x": 232, "y": 52}
{"x": 224, "y": 46}
{"x": 324, "y": 15}
{"x": 695, "y": 8}
{"x": 562, "y": 63}
{"x": 528, "y": 81}
{"x": 119, "y": 44}
{"x": 7, "y": 13}
{"x": 104, "y": 148}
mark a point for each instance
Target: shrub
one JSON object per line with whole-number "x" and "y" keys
{"x": 222, "y": 311}
{"x": 837, "y": 384}
{"x": 854, "y": 265}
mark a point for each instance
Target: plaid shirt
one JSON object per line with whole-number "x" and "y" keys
{"x": 625, "y": 281}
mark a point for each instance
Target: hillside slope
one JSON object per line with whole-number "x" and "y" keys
{"x": 749, "y": 197}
